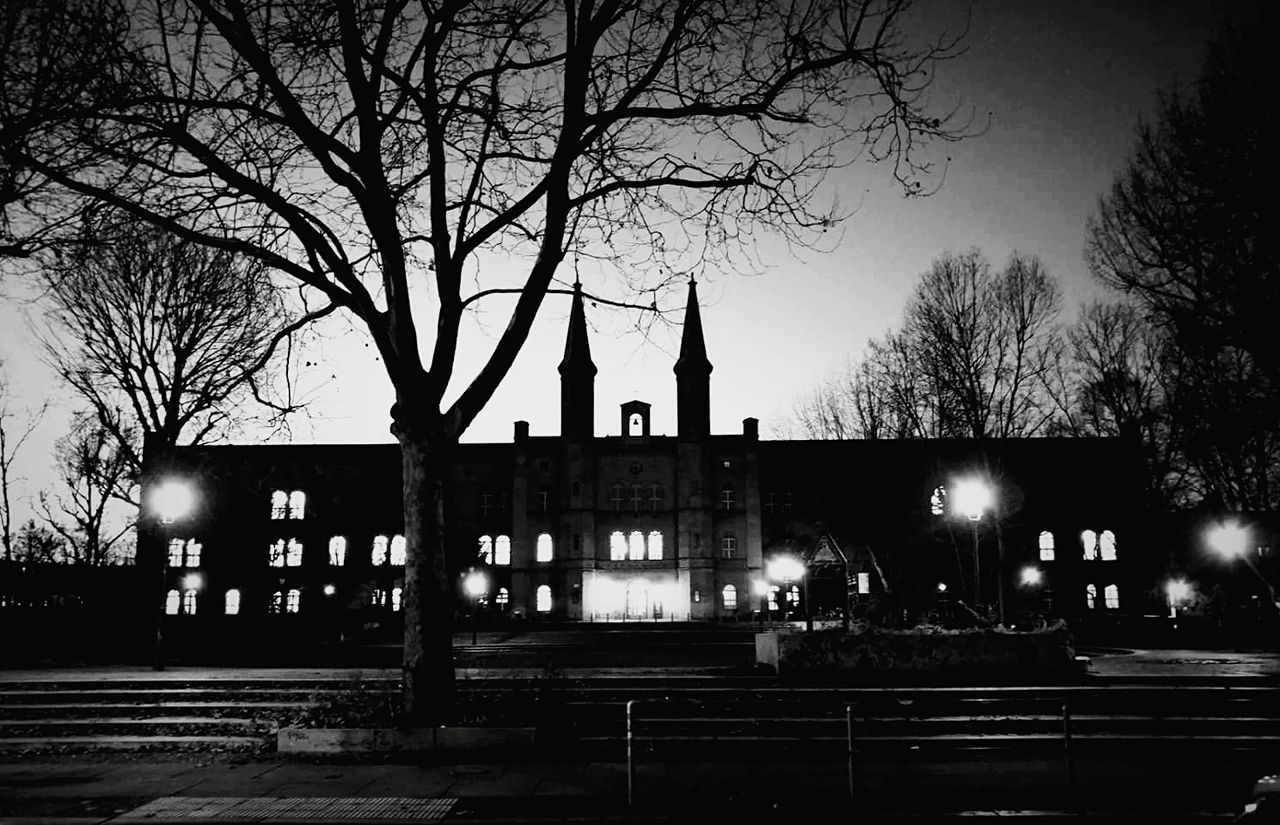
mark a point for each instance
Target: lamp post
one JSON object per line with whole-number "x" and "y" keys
{"x": 170, "y": 501}
{"x": 971, "y": 498}
{"x": 476, "y": 586}
{"x": 1230, "y": 539}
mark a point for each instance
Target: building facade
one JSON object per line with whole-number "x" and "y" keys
{"x": 641, "y": 527}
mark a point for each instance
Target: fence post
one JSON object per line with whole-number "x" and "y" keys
{"x": 848, "y": 720}
{"x": 1066, "y": 746}
{"x": 631, "y": 764}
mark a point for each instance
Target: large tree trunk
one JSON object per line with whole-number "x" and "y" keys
{"x": 428, "y": 687}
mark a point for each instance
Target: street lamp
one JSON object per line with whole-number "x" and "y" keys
{"x": 970, "y": 499}
{"x": 787, "y": 569}
{"x": 170, "y": 500}
{"x": 1230, "y": 539}
{"x": 1031, "y": 576}
{"x": 476, "y": 585}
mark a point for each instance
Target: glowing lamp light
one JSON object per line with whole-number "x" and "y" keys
{"x": 785, "y": 569}
{"x": 172, "y": 500}
{"x": 1178, "y": 590}
{"x": 1031, "y": 576}
{"x": 475, "y": 584}
{"x": 329, "y": 590}
{"x": 970, "y": 498}
{"x": 192, "y": 581}
{"x": 1229, "y": 539}
{"x": 942, "y": 587}
{"x": 760, "y": 587}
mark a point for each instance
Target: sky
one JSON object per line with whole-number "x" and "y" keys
{"x": 1062, "y": 87}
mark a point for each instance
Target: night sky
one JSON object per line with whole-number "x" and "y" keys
{"x": 1064, "y": 85}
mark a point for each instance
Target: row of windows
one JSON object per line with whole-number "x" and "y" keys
{"x": 1096, "y": 546}
{"x": 290, "y": 601}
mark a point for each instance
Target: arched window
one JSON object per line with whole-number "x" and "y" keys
{"x": 172, "y": 601}
{"x": 502, "y": 550}
{"x": 727, "y": 497}
{"x": 1107, "y": 545}
{"x": 615, "y": 497}
{"x": 297, "y": 504}
{"x": 730, "y": 596}
{"x": 655, "y": 545}
{"x": 338, "y": 551}
{"x": 1089, "y": 542}
{"x": 636, "y": 498}
{"x": 1111, "y": 597}
{"x": 189, "y": 602}
{"x": 635, "y": 546}
{"x": 544, "y": 547}
{"x": 232, "y": 604}
{"x": 277, "y": 602}
{"x": 279, "y": 504}
{"x": 635, "y": 426}
{"x": 503, "y": 597}
{"x": 617, "y": 546}
{"x": 175, "y": 552}
{"x": 543, "y": 599}
{"x": 1046, "y": 546}
{"x": 938, "y": 501}
{"x": 379, "y": 556}
{"x": 293, "y": 601}
{"x": 793, "y": 595}
{"x": 655, "y": 497}
{"x": 397, "y": 550}
{"x": 293, "y": 553}
{"x": 486, "y": 550}
{"x": 275, "y": 553}
{"x": 773, "y": 596}
{"x": 397, "y": 595}
{"x": 1091, "y": 596}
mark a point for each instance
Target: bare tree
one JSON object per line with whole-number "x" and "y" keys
{"x": 91, "y": 468}
{"x": 407, "y": 161}
{"x": 12, "y": 436}
{"x": 1196, "y": 248}
{"x": 161, "y": 337}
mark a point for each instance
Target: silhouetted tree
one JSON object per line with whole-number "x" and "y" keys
{"x": 1189, "y": 232}
{"x": 407, "y": 161}
{"x": 37, "y": 544}
{"x": 91, "y": 467}
{"x": 13, "y": 435}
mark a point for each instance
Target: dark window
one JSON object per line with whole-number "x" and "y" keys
{"x": 575, "y": 489}
{"x": 729, "y": 545}
{"x": 544, "y": 500}
{"x": 637, "y": 498}
{"x": 486, "y": 503}
{"x": 695, "y": 488}
{"x": 770, "y": 501}
{"x": 577, "y": 542}
{"x": 727, "y": 499}
{"x": 655, "y": 497}
{"x": 615, "y": 497}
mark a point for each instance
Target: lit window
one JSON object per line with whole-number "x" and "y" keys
{"x": 275, "y": 553}
{"x": 503, "y": 597}
{"x": 1107, "y": 545}
{"x": 397, "y": 595}
{"x": 728, "y": 545}
{"x": 293, "y": 554}
{"x": 277, "y": 602}
{"x": 379, "y": 551}
{"x": 938, "y": 500}
{"x": 635, "y": 546}
{"x": 175, "y": 552}
{"x": 773, "y": 597}
{"x": 793, "y": 594}
{"x": 338, "y": 551}
{"x": 193, "y": 553}
{"x": 1046, "y": 546}
{"x": 1091, "y": 596}
{"x": 189, "y": 602}
{"x": 279, "y": 504}
{"x": 544, "y": 547}
{"x": 544, "y": 599}
{"x": 1089, "y": 541}
{"x": 655, "y": 546}
{"x": 485, "y": 553}
{"x": 297, "y": 504}
{"x": 232, "y": 604}
{"x": 172, "y": 601}
{"x": 293, "y": 600}
{"x": 502, "y": 550}
{"x": 617, "y": 546}
{"x": 635, "y": 498}
{"x": 378, "y": 598}
{"x": 1111, "y": 596}
{"x": 730, "y": 596}
{"x": 615, "y": 497}
{"x": 397, "y": 550}
{"x": 655, "y": 497}
{"x": 864, "y": 583}
{"x": 726, "y": 497}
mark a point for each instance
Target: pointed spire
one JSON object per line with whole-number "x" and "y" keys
{"x": 693, "y": 348}
{"x": 577, "y": 349}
